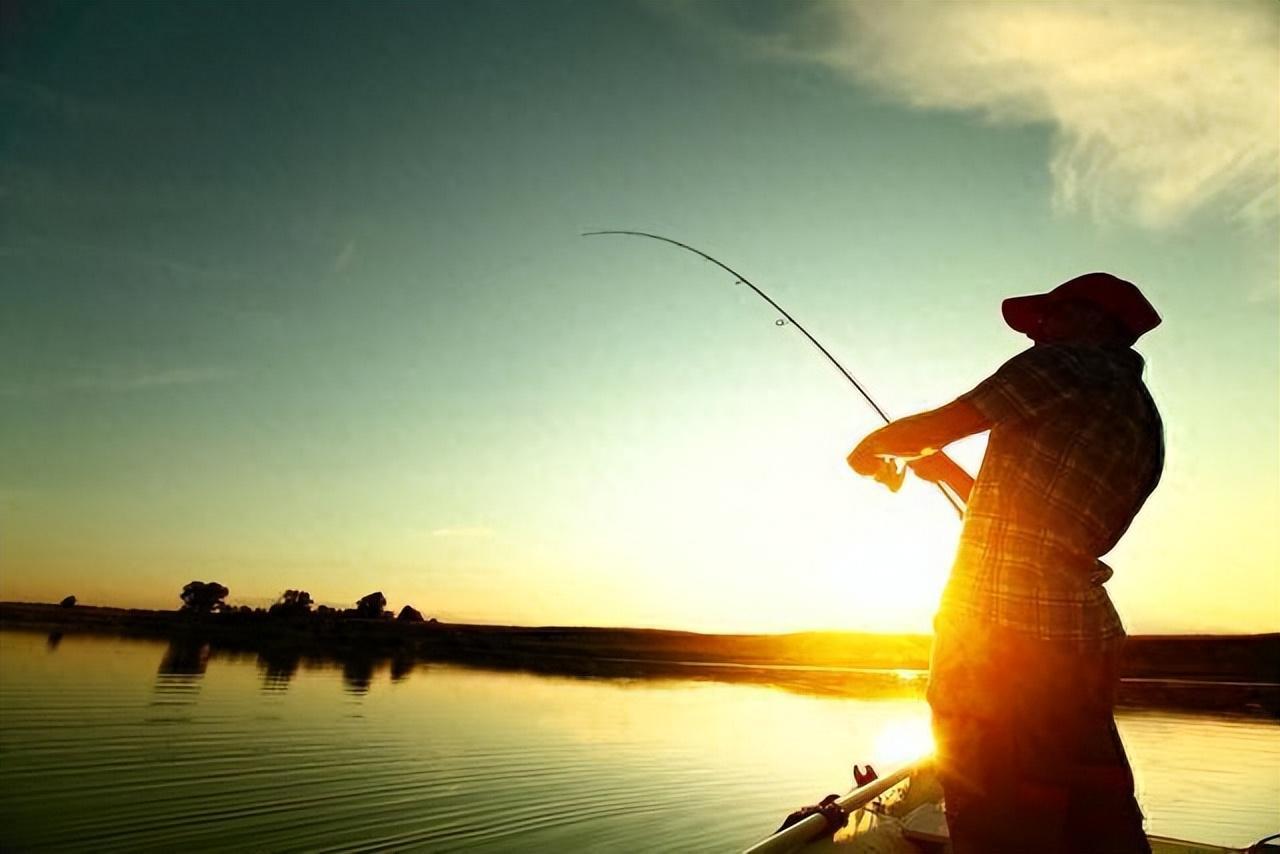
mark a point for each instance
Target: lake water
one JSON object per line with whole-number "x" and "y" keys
{"x": 115, "y": 744}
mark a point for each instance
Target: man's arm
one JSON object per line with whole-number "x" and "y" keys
{"x": 939, "y": 468}
{"x": 1032, "y": 385}
{"x": 921, "y": 437}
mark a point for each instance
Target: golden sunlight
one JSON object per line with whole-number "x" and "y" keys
{"x": 903, "y": 739}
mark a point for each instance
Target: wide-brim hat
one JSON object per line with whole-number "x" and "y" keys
{"x": 1120, "y": 299}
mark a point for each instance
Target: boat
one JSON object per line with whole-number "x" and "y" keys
{"x": 902, "y": 813}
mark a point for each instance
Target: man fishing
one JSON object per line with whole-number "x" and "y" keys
{"x": 1025, "y": 659}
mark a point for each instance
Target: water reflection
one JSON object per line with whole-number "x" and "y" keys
{"x": 181, "y": 671}
{"x": 360, "y": 658}
{"x": 357, "y": 672}
{"x": 401, "y": 667}
{"x": 184, "y": 657}
{"x": 278, "y": 667}
{"x": 513, "y": 759}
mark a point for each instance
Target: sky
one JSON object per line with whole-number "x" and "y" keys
{"x": 294, "y": 296}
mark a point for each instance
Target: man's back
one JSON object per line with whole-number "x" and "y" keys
{"x": 1076, "y": 446}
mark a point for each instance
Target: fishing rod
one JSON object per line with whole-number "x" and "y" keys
{"x": 892, "y": 481}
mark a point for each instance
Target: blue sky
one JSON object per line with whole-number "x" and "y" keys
{"x": 294, "y": 296}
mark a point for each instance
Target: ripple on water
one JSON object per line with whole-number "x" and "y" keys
{"x": 128, "y": 745}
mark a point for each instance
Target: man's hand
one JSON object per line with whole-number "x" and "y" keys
{"x": 868, "y": 457}
{"x": 919, "y": 436}
{"x": 906, "y": 440}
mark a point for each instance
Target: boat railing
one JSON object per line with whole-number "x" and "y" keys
{"x": 803, "y": 831}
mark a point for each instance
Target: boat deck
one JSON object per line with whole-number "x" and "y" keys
{"x": 903, "y": 814}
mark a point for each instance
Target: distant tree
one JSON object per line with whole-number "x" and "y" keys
{"x": 202, "y": 597}
{"x": 297, "y": 598}
{"x": 69, "y": 602}
{"x": 292, "y": 603}
{"x": 371, "y": 605}
{"x": 410, "y": 614}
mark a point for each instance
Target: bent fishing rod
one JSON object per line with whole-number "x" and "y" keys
{"x": 743, "y": 280}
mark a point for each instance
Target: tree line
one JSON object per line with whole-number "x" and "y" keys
{"x": 208, "y": 597}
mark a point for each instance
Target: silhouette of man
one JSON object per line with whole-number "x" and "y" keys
{"x": 1026, "y": 641}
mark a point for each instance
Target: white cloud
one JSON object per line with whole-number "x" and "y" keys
{"x": 1158, "y": 109}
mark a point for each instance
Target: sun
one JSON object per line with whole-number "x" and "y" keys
{"x": 903, "y": 739}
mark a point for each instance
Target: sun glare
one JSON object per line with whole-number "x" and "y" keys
{"x": 891, "y": 584}
{"x": 903, "y": 739}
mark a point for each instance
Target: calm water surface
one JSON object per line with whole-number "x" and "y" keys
{"x": 112, "y": 744}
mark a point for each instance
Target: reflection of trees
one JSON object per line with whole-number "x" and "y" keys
{"x": 185, "y": 657}
{"x": 401, "y": 666}
{"x": 54, "y": 639}
{"x": 357, "y": 672}
{"x": 181, "y": 671}
{"x": 278, "y": 667}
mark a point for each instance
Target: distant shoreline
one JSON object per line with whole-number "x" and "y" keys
{"x": 1202, "y": 672}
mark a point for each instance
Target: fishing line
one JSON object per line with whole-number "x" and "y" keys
{"x": 743, "y": 280}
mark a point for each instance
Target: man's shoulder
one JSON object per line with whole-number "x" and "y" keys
{"x": 1043, "y": 365}
{"x": 1063, "y": 362}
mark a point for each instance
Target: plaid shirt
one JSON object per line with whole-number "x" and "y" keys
{"x": 1076, "y": 446}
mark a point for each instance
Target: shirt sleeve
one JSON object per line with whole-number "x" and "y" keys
{"x": 1028, "y": 386}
